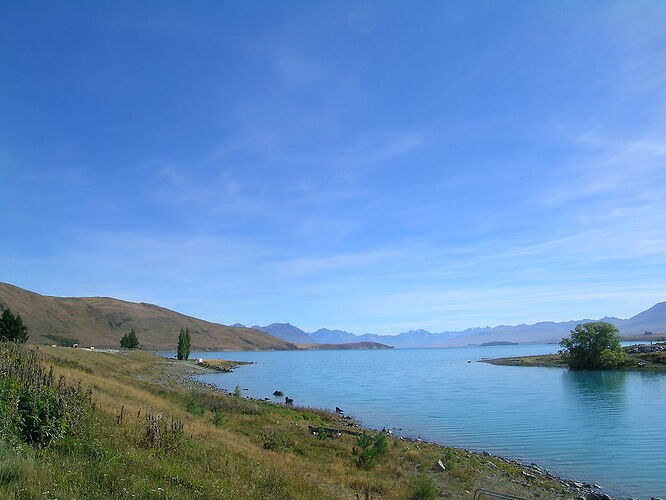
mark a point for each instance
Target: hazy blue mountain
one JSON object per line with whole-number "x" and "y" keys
{"x": 239, "y": 325}
{"x": 286, "y": 331}
{"x": 652, "y": 319}
{"x": 326, "y": 336}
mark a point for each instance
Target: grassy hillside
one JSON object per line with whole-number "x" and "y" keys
{"x": 150, "y": 438}
{"x": 102, "y": 321}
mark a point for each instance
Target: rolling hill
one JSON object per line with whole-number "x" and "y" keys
{"x": 102, "y": 321}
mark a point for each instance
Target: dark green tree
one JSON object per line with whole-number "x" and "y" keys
{"x": 130, "y": 340}
{"x": 12, "y": 328}
{"x": 593, "y": 346}
{"x": 183, "y": 347}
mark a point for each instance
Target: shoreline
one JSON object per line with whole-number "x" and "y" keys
{"x": 530, "y": 471}
{"x": 639, "y": 363}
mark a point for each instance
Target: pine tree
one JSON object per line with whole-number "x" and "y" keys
{"x": 183, "y": 347}
{"x": 130, "y": 340}
{"x": 12, "y": 328}
{"x": 179, "y": 346}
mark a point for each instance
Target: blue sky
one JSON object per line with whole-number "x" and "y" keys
{"x": 375, "y": 167}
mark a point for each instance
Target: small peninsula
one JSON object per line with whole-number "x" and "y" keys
{"x": 637, "y": 361}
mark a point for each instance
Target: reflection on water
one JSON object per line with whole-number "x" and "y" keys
{"x": 596, "y": 387}
{"x": 597, "y": 426}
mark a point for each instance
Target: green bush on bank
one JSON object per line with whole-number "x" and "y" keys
{"x": 424, "y": 489}
{"x": 369, "y": 450}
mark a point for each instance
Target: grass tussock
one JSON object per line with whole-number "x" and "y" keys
{"x": 141, "y": 435}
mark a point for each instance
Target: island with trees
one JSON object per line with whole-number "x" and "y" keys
{"x": 595, "y": 346}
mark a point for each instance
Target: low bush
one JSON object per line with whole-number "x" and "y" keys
{"x": 369, "y": 451}
{"x": 35, "y": 407}
{"x": 219, "y": 419}
{"x": 162, "y": 434}
{"x": 275, "y": 441}
{"x": 322, "y": 434}
{"x": 194, "y": 407}
{"x": 423, "y": 489}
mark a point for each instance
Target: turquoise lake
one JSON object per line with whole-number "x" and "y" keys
{"x": 603, "y": 427}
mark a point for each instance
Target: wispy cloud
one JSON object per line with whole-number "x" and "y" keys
{"x": 620, "y": 168}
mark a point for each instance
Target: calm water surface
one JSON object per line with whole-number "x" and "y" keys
{"x": 603, "y": 427}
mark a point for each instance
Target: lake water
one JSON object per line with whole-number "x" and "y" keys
{"x": 604, "y": 427}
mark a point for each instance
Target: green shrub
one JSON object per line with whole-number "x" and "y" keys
{"x": 219, "y": 419}
{"x": 274, "y": 441}
{"x": 34, "y": 407}
{"x": 451, "y": 459}
{"x": 237, "y": 391}
{"x": 423, "y": 489}
{"x": 369, "y": 450}
{"x": 322, "y": 434}
{"x": 194, "y": 408}
{"x": 381, "y": 446}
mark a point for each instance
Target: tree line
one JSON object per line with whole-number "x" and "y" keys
{"x": 131, "y": 341}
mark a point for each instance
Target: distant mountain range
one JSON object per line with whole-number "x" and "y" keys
{"x": 652, "y": 319}
{"x": 102, "y": 321}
